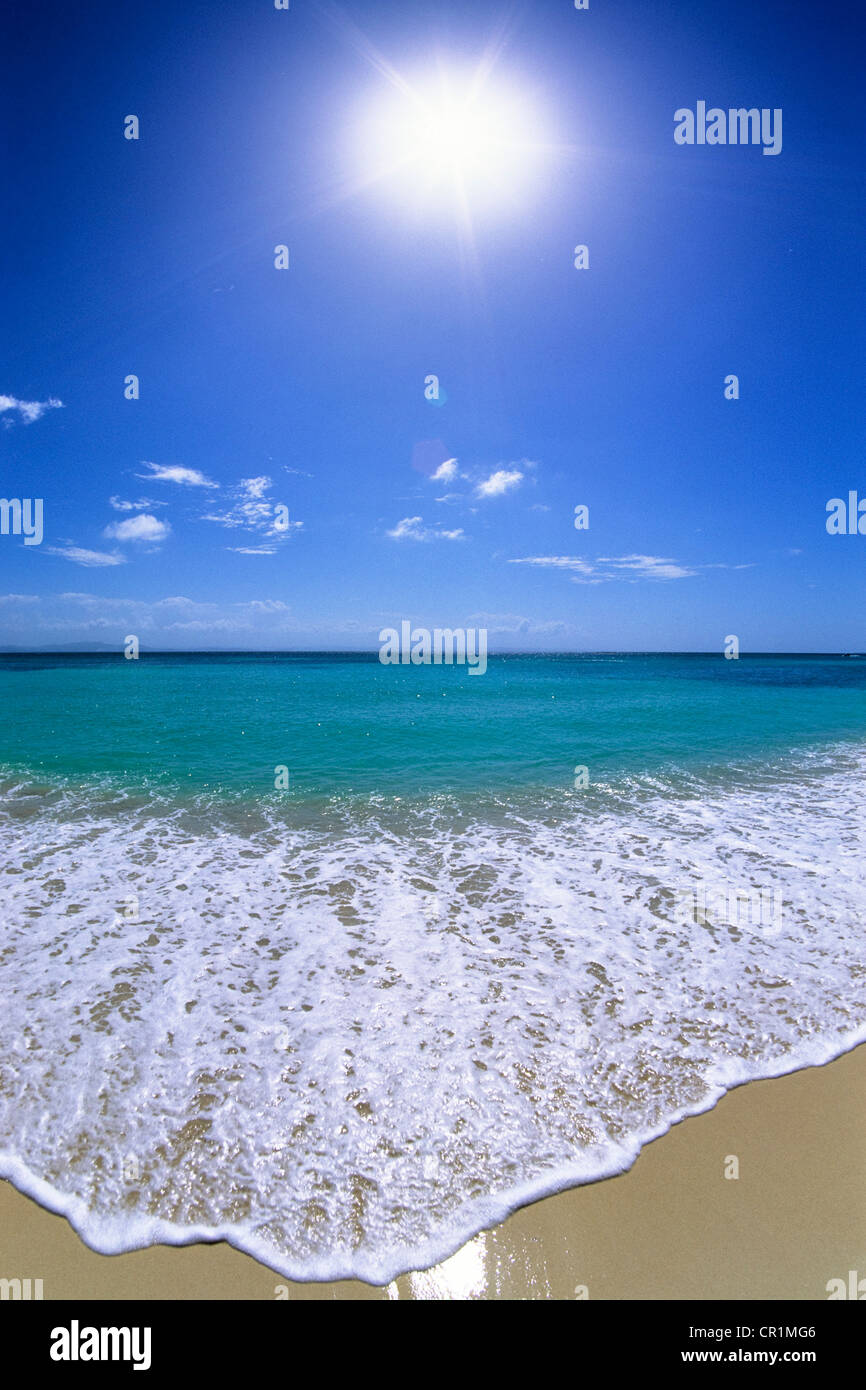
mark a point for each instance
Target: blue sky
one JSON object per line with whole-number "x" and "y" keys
{"x": 306, "y": 387}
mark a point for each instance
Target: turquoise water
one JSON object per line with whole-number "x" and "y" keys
{"x": 341, "y": 724}
{"x": 349, "y": 1024}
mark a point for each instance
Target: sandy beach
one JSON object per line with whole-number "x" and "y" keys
{"x": 672, "y": 1227}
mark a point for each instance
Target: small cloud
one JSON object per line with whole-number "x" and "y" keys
{"x": 559, "y": 562}
{"x": 512, "y": 624}
{"x": 500, "y": 482}
{"x": 207, "y": 625}
{"x": 120, "y": 505}
{"x": 90, "y": 558}
{"x": 251, "y": 510}
{"x": 255, "y": 487}
{"x": 607, "y": 567}
{"x": 412, "y": 528}
{"x": 138, "y": 528}
{"x": 19, "y": 598}
{"x": 539, "y": 507}
{"x": 446, "y": 472}
{"x": 28, "y": 411}
{"x": 174, "y": 473}
{"x": 648, "y": 566}
{"x": 429, "y": 455}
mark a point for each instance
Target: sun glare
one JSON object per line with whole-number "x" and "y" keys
{"x": 453, "y": 138}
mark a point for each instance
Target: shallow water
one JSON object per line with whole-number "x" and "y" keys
{"x": 348, "y": 1025}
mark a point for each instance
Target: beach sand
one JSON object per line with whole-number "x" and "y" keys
{"x": 672, "y": 1227}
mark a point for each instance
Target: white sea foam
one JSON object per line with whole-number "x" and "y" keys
{"x": 347, "y": 1047}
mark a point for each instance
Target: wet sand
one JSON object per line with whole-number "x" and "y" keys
{"x": 674, "y": 1226}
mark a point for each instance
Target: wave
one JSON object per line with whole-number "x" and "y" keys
{"x": 347, "y": 1040}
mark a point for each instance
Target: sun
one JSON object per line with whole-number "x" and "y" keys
{"x": 454, "y": 133}
{"x": 454, "y": 137}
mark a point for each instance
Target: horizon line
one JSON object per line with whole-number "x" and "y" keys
{"x": 108, "y": 650}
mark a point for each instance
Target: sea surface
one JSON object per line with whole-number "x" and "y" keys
{"x": 342, "y": 962}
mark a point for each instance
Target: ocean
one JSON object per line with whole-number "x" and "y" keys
{"x": 342, "y": 962}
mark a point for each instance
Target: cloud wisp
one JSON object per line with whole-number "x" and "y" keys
{"x": 91, "y": 559}
{"x": 610, "y": 567}
{"x": 500, "y": 482}
{"x": 175, "y": 473}
{"x": 251, "y": 510}
{"x": 27, "y": 411}
{"x": 446, "y": 472}
{"x": 119, "y": 504}
{"x": 412, "y": 528}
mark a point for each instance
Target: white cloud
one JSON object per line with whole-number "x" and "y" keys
{"x": 138, "y": 528}
{"x": 174, "y": 473}
{"x": 512, "y": 623}
{"x": 207, "y": 625}
{"x": 500, "y": 482}
{"x": 608, "y": 567}
{"x": 141, "y": 505}
{"x": 412, "y": 528}
{"x": 255, "y": 487}
{"x": 90, "y": 558}
{"x": 446, "y": 472}
{"x": 19, "y": 598}
{"x": 648, "y": 566}
{"x": 175, "y": 613}
{"x": 116, "y": 605}
{"x": 251, "y": 510}
{"x": 28, "y": 411}
{"x": 560, "y": 562}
